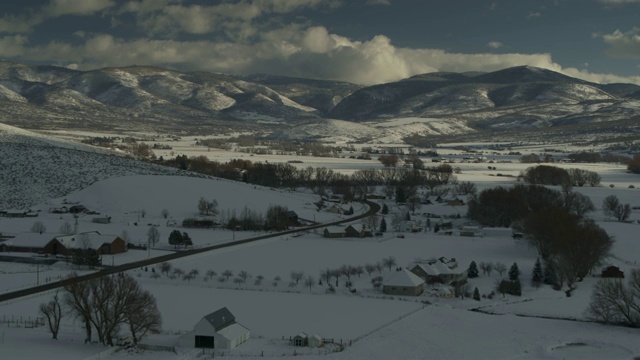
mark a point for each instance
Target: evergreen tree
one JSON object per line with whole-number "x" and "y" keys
{"x": 175, "y": 238}
{"x": 436, "y": 228}
{"x": 476, "y": 294}
{"x": 516, "y": 288}
{"x": 186, "y": 240}
{"x": 549, "y": 274}
{"x": 401, "y": 196}
{"x": 472, "y": 272}
{"x": 383, "y": 225}
{"x": 514, "y": 272}
{"x": 385, "y": 209}
{"x": 407, "y": 216}
{"x": 537, "y": 276}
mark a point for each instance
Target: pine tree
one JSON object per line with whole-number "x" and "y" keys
{"x": 514, "y": 272}
{"x": 385, "y": 209}
{"x": 436, "y": 228}
{"x": 516, "y": 288}
{"x": 472, "y": 272}
{"x": 537, "y": 276}
{"x": 408, "y": 216}
{"x": 476, "y": 294}
{"x": 401, "y": 197}
{"x": 549, "y": 274}
{"x": 383, "y": 225}
{"x": 175, "y": 238}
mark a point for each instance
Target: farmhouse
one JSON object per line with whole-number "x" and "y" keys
{"x": 348, "y": 232}
{"x": 612, "y": 272}
{"x": 34, "y": 243}
{"x": 440, "y": 271}
{"x": 403, "y": 282}
{"x": 103, "y": 244}
{"x": 218, "y": 330}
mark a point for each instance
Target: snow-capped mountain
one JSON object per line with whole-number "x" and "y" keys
{"x": 150, "y": 98}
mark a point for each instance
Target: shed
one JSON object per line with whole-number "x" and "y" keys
{"x": 403, "y": 282}
{"x": 301, "y": 339}
{"x": 315, "y": 341}
{"x": 218, "y": 330}
{"x": 612, "y": 272}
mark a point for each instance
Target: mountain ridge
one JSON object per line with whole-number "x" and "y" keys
{"x": 146, "y": 98}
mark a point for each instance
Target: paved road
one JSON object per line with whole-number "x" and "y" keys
{"x": 373, "y": 208}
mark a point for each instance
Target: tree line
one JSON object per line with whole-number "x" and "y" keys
{"x": 553, "y": 222}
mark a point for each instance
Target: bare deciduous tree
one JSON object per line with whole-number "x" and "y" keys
{"x": 38, "y": 227}
{"x": 296, "y": 276}
{"x": 389, "y": 262}
{"x": 500, "y": 268}
{"x": 53, "y": 312}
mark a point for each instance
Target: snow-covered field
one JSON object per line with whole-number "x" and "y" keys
{"x": 374, "y": 324}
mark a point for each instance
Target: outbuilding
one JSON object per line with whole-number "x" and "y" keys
{"x": 218, "y": 330}
{"x": 403, "y": 282}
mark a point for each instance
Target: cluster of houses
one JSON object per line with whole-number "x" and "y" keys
{"x": 348, "y": 232}
{"x": 64, "y": 245}
{"x": 411, "y": 281}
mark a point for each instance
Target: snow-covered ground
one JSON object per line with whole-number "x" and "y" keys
{"x": 372, "y": 325}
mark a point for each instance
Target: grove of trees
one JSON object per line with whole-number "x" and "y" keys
{"x": 110, "y": 304}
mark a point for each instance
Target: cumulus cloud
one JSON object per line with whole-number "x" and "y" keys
{"x": 378, "y": 2}
{"x": 76, "y": 7}
{"x": 623, "y": 44}
{"x": 495, "y": 44}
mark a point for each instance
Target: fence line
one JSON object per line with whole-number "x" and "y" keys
{"x": 385, "y": 325}
{"x": 21, "y": 322}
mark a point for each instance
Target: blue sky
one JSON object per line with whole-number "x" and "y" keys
{"x": 362, "y": 41}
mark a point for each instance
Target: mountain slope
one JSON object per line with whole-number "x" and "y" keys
{"x": 141, "y": 98}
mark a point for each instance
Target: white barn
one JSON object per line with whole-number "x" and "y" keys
{"x": 218, "y": 330}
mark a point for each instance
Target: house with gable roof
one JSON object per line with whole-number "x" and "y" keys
{"x": 403, "y": 282}
{"x": 218, "y": 330}
{"x": 441, "y": 271}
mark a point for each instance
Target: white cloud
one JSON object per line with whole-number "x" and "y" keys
{"x": 623, "y": 44}
{"x": 294, "y": 50}
{"x": 619, "y": 2}
{"x": 378, "y": 2}
{"x": 25, "y": 23}
{"x": 534, "y": 14}
{"x": 495, "y": 44}
{"x": 76, "y": 7}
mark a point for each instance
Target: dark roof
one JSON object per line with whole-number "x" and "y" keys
{"x": 220, "y": 319}
{"x": 291, "y": 214}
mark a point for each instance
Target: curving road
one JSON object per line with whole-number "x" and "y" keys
{"x": 373, "y": 209}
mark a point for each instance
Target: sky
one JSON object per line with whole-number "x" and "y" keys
{"x": 360, "y": 41}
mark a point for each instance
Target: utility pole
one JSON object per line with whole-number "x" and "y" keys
{"x": 37, "y": 274}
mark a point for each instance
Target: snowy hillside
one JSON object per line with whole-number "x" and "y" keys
{"x": 36, "y": 168}
{"x": 138, "y": 98}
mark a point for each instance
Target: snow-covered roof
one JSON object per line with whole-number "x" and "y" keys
{"x": 233, "y": 331}
{"x": 403, "y": 277}
{"x": 30, "y": 239}
{"x": 220, "y": 319}
{"x": 93, "y": 240}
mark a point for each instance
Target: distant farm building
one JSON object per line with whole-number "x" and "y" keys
{"x": 218, "y": 330}
{"x": 612, "y": 272}
{"x": 53, "y": 244}
{"x": 301, "y": 339}
{"x": 403, "y": 282}
{"x": 349, "y": 232}
{"x": 440, "y": 271}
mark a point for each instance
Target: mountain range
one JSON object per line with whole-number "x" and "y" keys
{"x": 140, "y": 98}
